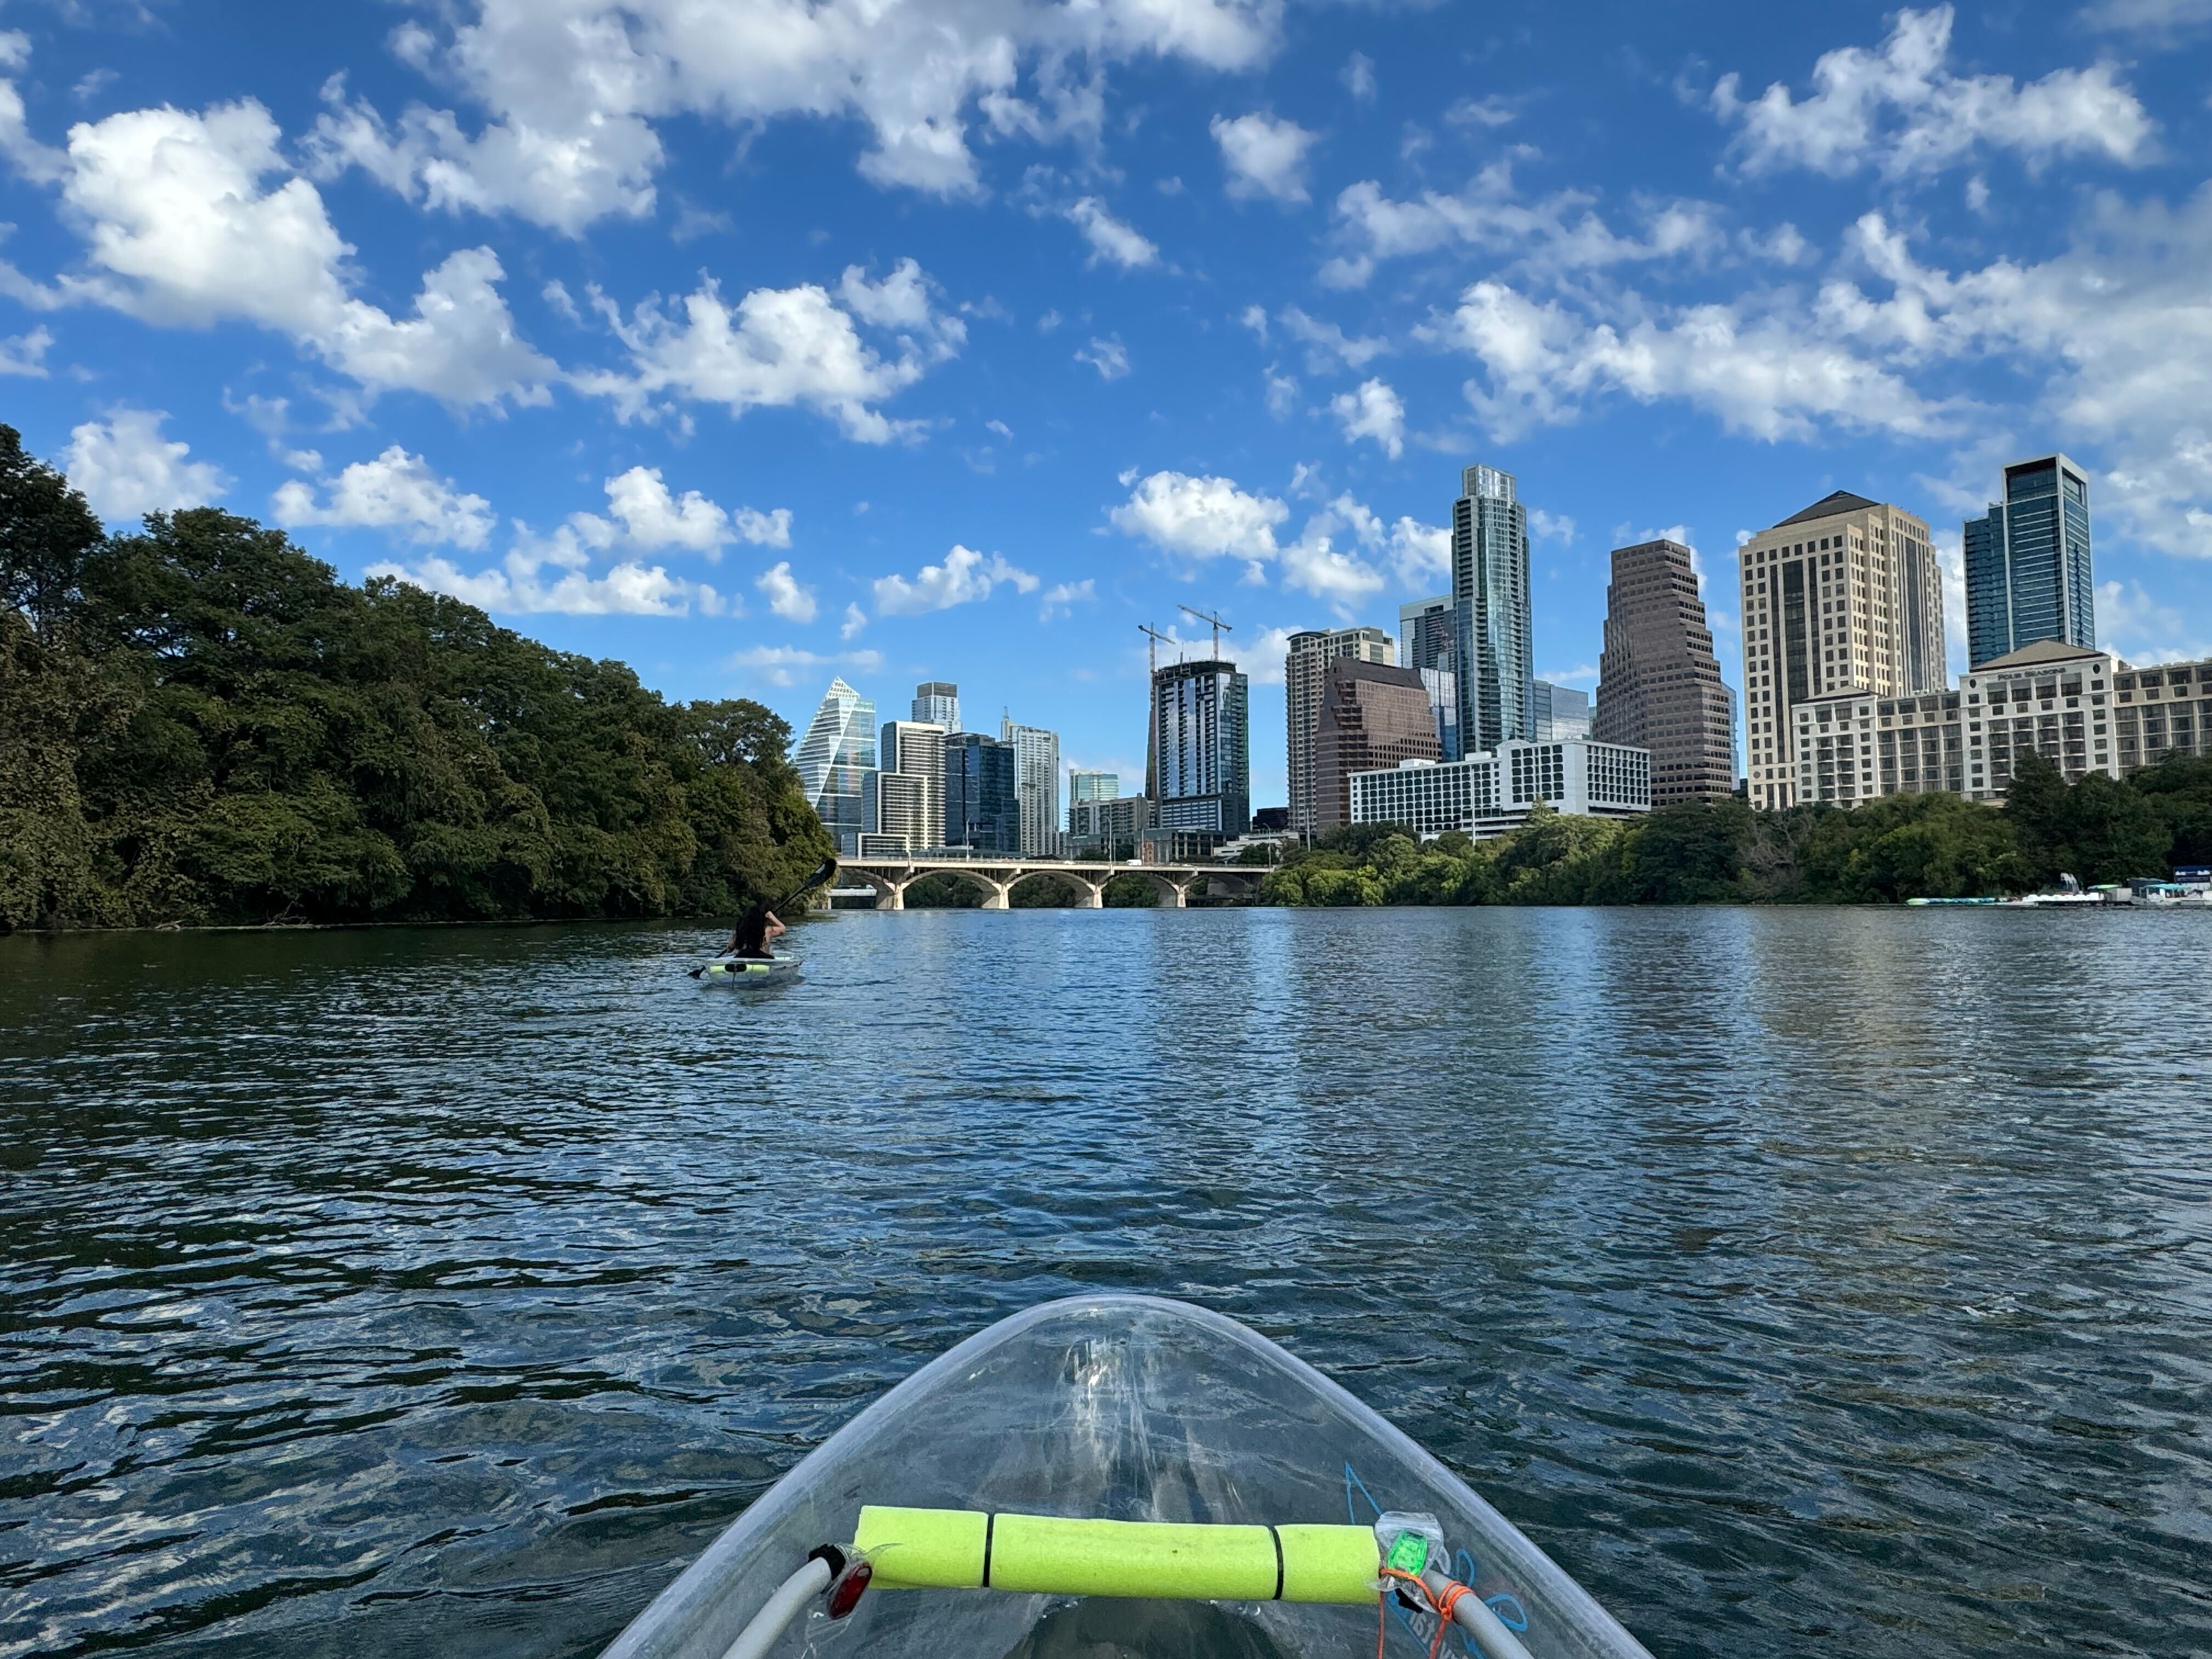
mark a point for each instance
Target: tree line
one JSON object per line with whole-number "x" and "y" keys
{"x": 1896, "y": 847}
{"x": 201, "y": 724}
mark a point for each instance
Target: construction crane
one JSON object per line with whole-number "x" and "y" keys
{"x": 1219, "y": 626}
{"x": 1158, "y": 639}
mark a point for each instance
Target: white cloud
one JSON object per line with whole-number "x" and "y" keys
{"x": 965, "y": 577}
{"x": 2159, "y": 18}
{"x": 522, "y": 585}
{"x": 1282, "y": 394}
{"x": 786, "y": 596}
{"x": 785, "y": 348}
{"x": 2142, "y": 630}
{"x": 395, "y": 491}
{"x": 1550, "y": 526}
{"x": 1109, "y": 356}
{"x": 1200, "y": 519}
{"x": 1265, "y": 156}
{"x": 183, "y": 225}
{"x": 573, "y": 92}
{"x": 1491, "y": 110}
{"x": 1374, "y": 412}
{"x": 1901, "y": 112}
{"x": 1552, "y": 235}
{"x": 26, "y": 354}
{"x": 786, "y": 665}
{"x": 652, "y": 519}
{"x": 1110, "y": 237}
{"x": 1328, "y": 345}
{"x": 1061, "y": 598}
{"x": 855, "y": 620}
{"x": 126, "y": 469}
{"x": 1359, "y": 77}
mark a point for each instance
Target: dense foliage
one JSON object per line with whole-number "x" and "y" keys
{"x": 1897, "y": 847}
{"x": 200, "y": 723}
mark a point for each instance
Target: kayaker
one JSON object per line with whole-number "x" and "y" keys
{"x": 755, "y": 932}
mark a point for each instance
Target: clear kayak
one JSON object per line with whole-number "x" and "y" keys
{"x": 749, "y": 973}
{"x": 1121, "y": 1475}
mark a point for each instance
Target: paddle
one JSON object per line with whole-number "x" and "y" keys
{"x": 821, "y": 873}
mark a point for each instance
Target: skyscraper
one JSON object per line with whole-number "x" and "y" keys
{"x": 1201, "y": 744}
{"x": 1037, "y": 787}
{"x": 1845, "y": 596}
{"x": 1305, "y": 668}
{"x": 938, "y": 703}
{"x": 838, "y": 749}
{"x": 1428, "y": 644}
{"x": 1490, "y": 607}
{"x": 980, "y": 810}
{"x": 1373, "y": 715}
{"x": 2027, "y": 562}
{"x": 1659, "y": 685}
{"x": 1562, "y": 714}
{"x": 1087, "y": 787}
{"x": 913, "y": 750}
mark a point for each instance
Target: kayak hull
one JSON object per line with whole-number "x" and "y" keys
{"x": 1117, "y": 1407}
{"x": 750, "y": 973}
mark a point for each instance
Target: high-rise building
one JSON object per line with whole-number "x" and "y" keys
{"x": 1085, "y": 787}
{"x": 914, "y": 750}
{"x": 906, "y": 812}
{"x": 1036, "y": 785}
{"x": 2027, "y": 562}
{"x": 1490, "y": 610}
{"x": 1305, "y": 667}
{"x": 1373, "y": 715}
{"x": 1845, "y": 596}
{"x": 1659, "y": 685}
{"x": 981, "y": 809}
{"x": 937, "y": 702}
{"x": 1200, "y": 745}
{"x": 1109, "y": 822}
{"x": 1561, "y": 713}
{"x": 833, "y": 759}
{"x": 1428, "y": 643}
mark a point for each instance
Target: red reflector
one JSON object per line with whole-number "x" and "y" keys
{"x": 845, "y": 1594}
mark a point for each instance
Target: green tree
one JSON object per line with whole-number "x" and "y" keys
{"x": 46, "y": 532}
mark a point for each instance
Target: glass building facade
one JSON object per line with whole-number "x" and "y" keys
{"x": 2027, "y": 562}
{"x": 1428, "y": 644}
{"x": 1201, "y": 733}
{"x": 1492, "y": 630}
{"x": 938, "y": 703}
{"x": 834, "y": 760}
{"x": 982, "y": 810}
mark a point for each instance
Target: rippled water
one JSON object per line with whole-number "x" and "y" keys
{"x": 1802, "y": 1280}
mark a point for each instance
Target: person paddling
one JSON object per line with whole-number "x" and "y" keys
{"x": 758, "y": 930}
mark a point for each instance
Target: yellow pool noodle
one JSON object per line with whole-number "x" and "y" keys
{"x": 967, "y": 1549}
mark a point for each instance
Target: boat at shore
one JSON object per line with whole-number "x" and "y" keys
{"x": 1121, "y": 1475}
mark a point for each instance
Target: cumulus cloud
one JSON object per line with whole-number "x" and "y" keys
{"x": 855, "y": 620}
{"x": 1375, "y": 412}
{"x": 1109, "y": 356}
{"x": 1200, "y": 518}
{"x": 965, "y": 577}
{"x": 1061, "y": 598}
{"x": 646, "y": 516}
{"x": 396, "y": 492}
{"x": 126, "y": 468}
{"x": 786, "y": 665}
{"x": 573, "y": 95}
{"x": 551, "y": 576}
{"x": 1111, "y": 239}
{"x": 785, "y": 348}
{"x": 26, "y": 354}
{"x": 1902, "y": 114}
{"x": 192, "y": 220}
{"x": 786, "y": 596}
{"x": 2141, "y": 629}
{"x": 1328, "y": 345}
{"x": 1265, "y": 157}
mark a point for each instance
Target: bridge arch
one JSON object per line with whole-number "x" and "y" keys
{"x": 1090, "y": 887}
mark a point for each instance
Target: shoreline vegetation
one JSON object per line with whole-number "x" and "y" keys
{"x": 201, "y": 725}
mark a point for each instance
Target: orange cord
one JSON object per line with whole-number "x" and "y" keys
{"x": 1442, "y": 1609}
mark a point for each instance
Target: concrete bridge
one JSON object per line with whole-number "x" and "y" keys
{"x": 998, "y": 877}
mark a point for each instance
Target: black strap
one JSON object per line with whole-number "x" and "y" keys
{"x": 990, "y": 1524}
{"x": 1278, "y": 1537}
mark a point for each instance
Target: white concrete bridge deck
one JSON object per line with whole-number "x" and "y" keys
{"x": 998, "y": 877}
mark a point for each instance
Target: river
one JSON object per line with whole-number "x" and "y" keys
{"x": 1803, "y": 1280}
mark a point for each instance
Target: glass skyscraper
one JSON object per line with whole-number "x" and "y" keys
{"x": 980, "y": 808}
{"x": 1428, "y": 644}
{"x": 834, "y": 760}
{"x": 1037, "y": 785}
{"x": 1202, "y": 747}
{"x": 2027, "y": 562}
{"x": 1491, "y": 611}
{"x": 937, "y": 702}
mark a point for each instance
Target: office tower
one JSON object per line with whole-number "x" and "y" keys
{"x": 1490, "y": 610}
{"x": 1842, "y": 597}
{"x": 1659, "y": 685}
{"x": 2027, "y": 562}
{"x": 1305, "y": 667}
{"x": 1561, "y": 714}
{"x": 1494, "y": 795}
{"x": 1037, "y": 787}
{"x": 1200, "y": 745}
{"x": 937, "y": 702}
{"x": 1109, "y": 822}
{"x": 1085, "y": 786}
{"x": 981, "y": 809}
{"x": 1373, "y": 715}
{"x": 1428, "y": 644}
{"x": 914, "y": 750}
{"x": 838, "y": 749}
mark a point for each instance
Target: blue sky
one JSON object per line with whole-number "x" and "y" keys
{"x": 754, "y": 342}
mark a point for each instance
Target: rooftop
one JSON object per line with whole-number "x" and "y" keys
{"x": 2042, "y": 651}
{"x": 1830, "y": 507}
